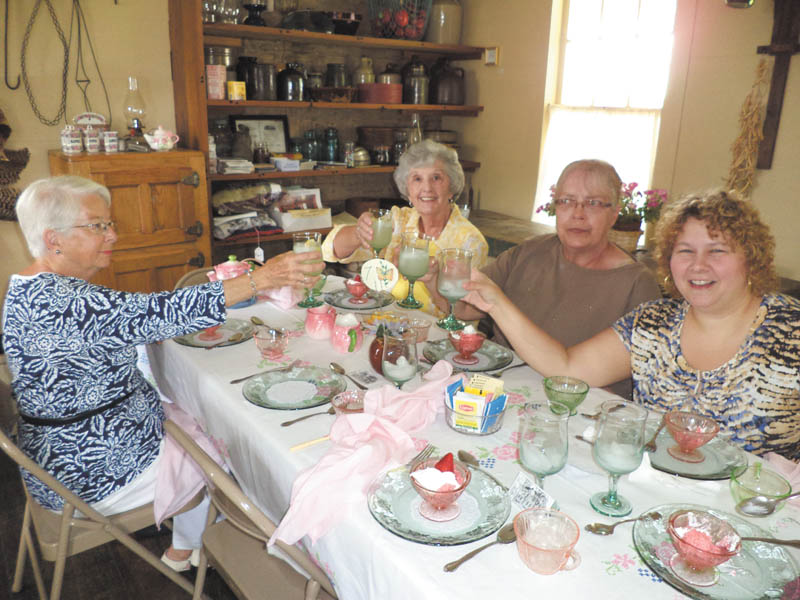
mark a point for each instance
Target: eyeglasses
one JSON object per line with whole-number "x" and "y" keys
{"x": 590, "y": 205}
{"x": 102, "y": 227}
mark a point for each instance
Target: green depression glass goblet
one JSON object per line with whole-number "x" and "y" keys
{"x": 413, "y": 263}
{"x": 618, "y": 449}
{"x": 544, "y": 445}
{"x": 454, "y": 271}
{"x": 308, "y": 241}
{"x": 399, "y": 359}
{"x": 381, "y": 229}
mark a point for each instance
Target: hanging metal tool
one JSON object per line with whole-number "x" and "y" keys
{"x": 5, "y": 55}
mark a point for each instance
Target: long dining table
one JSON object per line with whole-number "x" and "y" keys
{"x": 366, "y": 561}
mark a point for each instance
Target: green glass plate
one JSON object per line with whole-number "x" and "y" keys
{"x": 342, "y": 299}
{"x": 225, "y": 331}
{"x": 759, "y": 572}
{"x": 491, "y": 356}
{"x": 298, "y": 388}
{"x": 721, "y": 457}
{"x": 394, "y": 503}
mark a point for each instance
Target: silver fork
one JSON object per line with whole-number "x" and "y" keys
{"x": 288, "y": 367}
{"x": 424, "y": 454}
{"x": 499, "y": 373}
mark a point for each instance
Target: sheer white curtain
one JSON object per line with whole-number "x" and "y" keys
{"x": 626, "y": 138}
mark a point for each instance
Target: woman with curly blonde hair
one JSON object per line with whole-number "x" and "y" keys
{"x": 725, "y": 345}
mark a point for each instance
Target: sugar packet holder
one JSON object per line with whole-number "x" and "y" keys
{"x": 473, "y": 414}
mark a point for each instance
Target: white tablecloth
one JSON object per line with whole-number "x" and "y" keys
{"x": 364, "y": 560}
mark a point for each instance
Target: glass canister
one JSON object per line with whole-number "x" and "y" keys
{"x": 444, "y": 22}
{"x": 314, "y": 80}
{"x": 400, "y": 145}
{"x": 264, "y": 84}
{"x": 223, "y": 137}
{"x": 364, "y": 73}
{"x": 382, "y": 155}
{"x": 290, "y": 83}
{"x": 415, "y": 85}
{"x": 246, "y": 70}
{"x": 336, "y": 75}
{"x": 349, "y": 154}
{"x": 311, "y": 150}
{"x": 331, "y": 147}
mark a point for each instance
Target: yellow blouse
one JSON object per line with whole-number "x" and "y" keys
{"x": 457, "y": 233}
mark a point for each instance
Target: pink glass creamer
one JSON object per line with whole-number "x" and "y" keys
{"x": 319, "y": 322}
{"x": 347, "y": 335}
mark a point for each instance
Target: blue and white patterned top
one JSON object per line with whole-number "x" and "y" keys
{"x": 755, "y": 395}
{"x": 71, "y": 348}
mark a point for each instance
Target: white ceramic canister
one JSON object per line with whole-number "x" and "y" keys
{"x": 91, "y": 139}
{"x": 110, "y": 142}
{"x": 71, "y": 140}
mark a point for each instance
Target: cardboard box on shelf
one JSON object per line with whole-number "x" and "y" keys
{"x": 300, "y": 209}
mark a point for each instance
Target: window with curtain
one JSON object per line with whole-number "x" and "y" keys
{"x": 613, "y": 71}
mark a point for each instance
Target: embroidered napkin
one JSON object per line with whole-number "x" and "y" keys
{"x": 363, "y": 445}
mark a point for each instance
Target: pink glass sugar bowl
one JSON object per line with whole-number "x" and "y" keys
{"x": 441, "y": 504}
{"x": 690, "y": 431}
{"x": 703, "y": 541}
{"x": 546, "y": 540}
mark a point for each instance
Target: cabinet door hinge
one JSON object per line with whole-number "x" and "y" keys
{"x": 196, "y": 229}
{"x": 192, "y": 180}
{"x": 198, "y": 261}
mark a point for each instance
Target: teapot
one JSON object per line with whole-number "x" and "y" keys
{"x": 161, "y": 139}
{"x": 228, "y": 270}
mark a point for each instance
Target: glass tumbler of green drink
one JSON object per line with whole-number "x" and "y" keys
{"x": 413, "y": 263}
{"x": 381, "y": 229}
{"x": 308, "y": 241}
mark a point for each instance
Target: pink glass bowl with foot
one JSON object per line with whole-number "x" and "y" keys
{"x": 703, "y": 541}
{"x": 690, "y": 431}
{"x": 440, "y": 505}
{"x": 349, "y": 402}
{"x": 211, "y": 334}
{"x": 466, "y": 344}
{"x": 357, "y": 289}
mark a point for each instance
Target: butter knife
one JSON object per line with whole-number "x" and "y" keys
{"x": 286, "y": 368}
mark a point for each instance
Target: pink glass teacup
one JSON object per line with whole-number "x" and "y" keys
{"x": 271, "y": 342}
{"x": 546, "y": 540}
{"x": 319, "y": 322}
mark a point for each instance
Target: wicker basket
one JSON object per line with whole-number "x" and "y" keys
{"x": 399, "y": 19}
{"x": 627, "y": 240}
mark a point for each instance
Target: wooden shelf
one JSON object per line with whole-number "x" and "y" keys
{"x": 231, "y": 35}
{"x": 467, "y": 165}
{"x": 265, "y": 239}
{"x": 445, "y": 109}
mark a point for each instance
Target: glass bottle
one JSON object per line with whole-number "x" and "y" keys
{"x": 400, "y": 145}
{"x": 415, "y": 135}
{"x": 311, "y": 150}
{"x": 223, "y": 137}
{"x": 331, "y": 145}
{"x": 349, "y": 154}
{"x": 135, "y": 108}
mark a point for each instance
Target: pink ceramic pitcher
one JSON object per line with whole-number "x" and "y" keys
{"x": 319, "y": 322}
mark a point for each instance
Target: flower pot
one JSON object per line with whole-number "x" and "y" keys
{"x": 627, "y": 240}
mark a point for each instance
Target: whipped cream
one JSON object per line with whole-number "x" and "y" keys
{"x": 434, "y": 479}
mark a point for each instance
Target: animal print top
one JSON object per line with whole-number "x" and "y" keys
{"x": 755, "y": 396}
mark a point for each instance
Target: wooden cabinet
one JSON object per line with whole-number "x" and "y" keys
{"x": 189, "y": 36}
{"x": 159, "y": 203}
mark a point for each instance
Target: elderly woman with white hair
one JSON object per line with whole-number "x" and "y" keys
{"x": 88, "y": 415}
{"x": 430, "y": 177}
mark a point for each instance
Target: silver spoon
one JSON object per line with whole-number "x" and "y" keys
{"x": 466, "y": 457}
{"x": 506, "y": 535}
{"x": 330, "y": 411}
{"x": 760, "y": 506}
{"x": 603, "y": 529}
{"x": 792, "y": 543}
{"x": 234, "y": 338}
{"x": 651, "y": 445}
{"x": 339, "y": 369}
{"x": 499, "y": 373}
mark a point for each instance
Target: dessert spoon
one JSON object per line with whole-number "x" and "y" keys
{"x": 761, "y": 506}
{"x": 506, "y": 535}
{"x": 792, "y": 543}
{"x": 604, "y": 529}
{"x": 339, "y": 370}
{"x": 330, "y": 411}
{"x": 651, "y": 445}
{"x": 466, "y": 457}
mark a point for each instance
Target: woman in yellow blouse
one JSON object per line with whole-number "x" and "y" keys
{"x": 429, "y": 176}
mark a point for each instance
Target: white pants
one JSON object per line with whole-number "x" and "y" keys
{"x": 187, "y": 528}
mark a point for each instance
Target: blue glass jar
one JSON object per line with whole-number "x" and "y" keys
{"x": 331, "y": 153}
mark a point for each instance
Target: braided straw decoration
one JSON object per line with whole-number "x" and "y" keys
{"x": 745, "y": 147}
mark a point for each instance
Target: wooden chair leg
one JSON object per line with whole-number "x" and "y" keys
{"x": 61, "y": 555}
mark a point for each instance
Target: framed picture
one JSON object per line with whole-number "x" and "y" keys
{"x": 270, "y": 130}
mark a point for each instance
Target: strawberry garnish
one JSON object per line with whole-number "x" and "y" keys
{"x": 357, "y": 278}
{"x": 446, "y": 463}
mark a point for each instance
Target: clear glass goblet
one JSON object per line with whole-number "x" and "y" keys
{"x": 618, "y": 449}
{"x": 454, "y": 270}
{"x": 543, "y": 445}
{"x": 399, "y": 359}
{"x": 381, "y": 229}
{"x": 307, "y": 241}
{"x": 413, "y": 263}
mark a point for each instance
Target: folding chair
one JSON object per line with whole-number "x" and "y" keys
{"x": 193, "y": 277}
{"x": 66, "y": 534}
{"x": 236, "y": 546}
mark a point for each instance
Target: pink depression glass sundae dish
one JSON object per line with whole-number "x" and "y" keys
{"x": 703, "y": 541}
{"x": 690, "y": 431}
{"x": 440, "y": 481}
{"x": 349, "y": 402}
{"x": 211, "y": 334}
{"x": 467, "y": 342}
{"x": 357, "y": 289}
